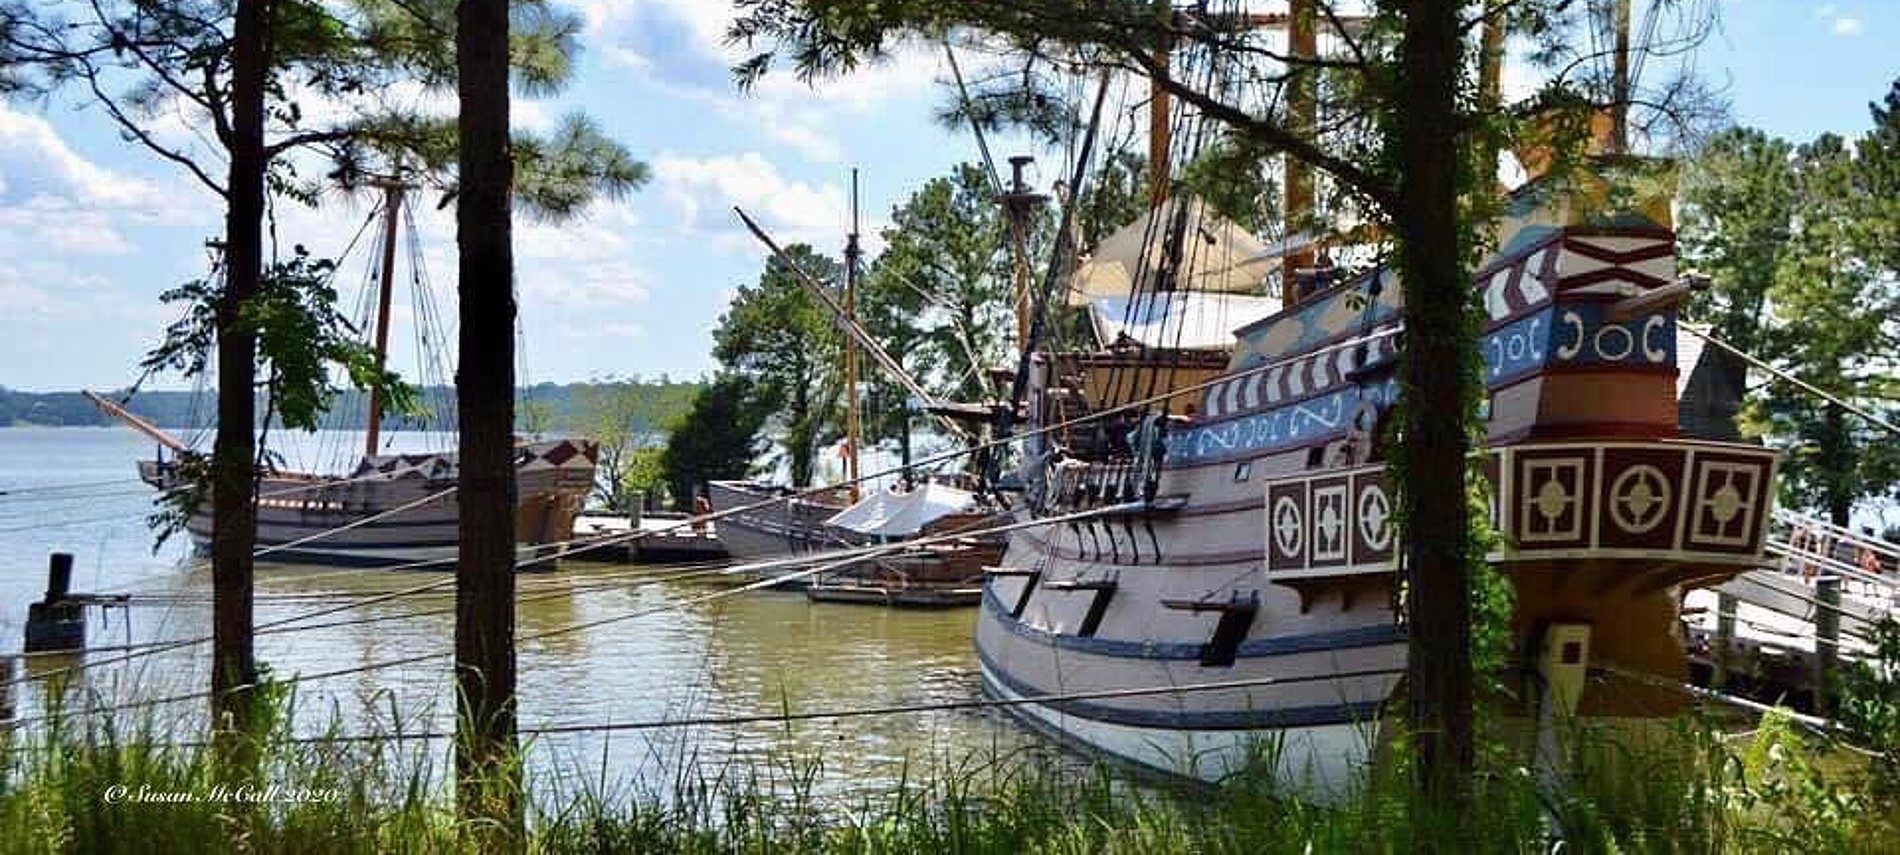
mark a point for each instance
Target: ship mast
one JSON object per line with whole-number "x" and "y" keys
{"x": 1160, "y": 133}
{"x": 852, "y": 253}
{"x": 1301, "y": 24}
{"x": 1620, "y": 80}
{"x": 392, "y": 211}
{"x": 1303, "y": 114}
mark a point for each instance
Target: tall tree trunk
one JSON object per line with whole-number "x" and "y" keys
{"x": 1837, "y": 454}
{"x": 801, "y": 435}
{"x": 488, "y": 779}
{"x": 1433, "y": 413}
{"x": 233, "y": 505}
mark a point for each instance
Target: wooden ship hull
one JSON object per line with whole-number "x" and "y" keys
{"x": 940, "y": 575}
{"x": 1262, "y": 552}
{"x": 382, "y": 514}
{"x": 773, "y": 527}
{"x": 391, "y": 510}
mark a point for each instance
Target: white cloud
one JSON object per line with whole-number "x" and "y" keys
{"x": 603, "y": 287}
{"x": 18, "y": 298}
{"x": 29, "y": 145}
{"x": 680, "y": 47}
{"x": 705, "y": 190}
{"x": 1842, "y": 24}
{"x": 53, "y": 224}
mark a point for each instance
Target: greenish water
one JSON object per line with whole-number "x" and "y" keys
{"x": 745, "y": 654}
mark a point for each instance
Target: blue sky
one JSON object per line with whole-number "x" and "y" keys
{"x": 92, "y": 229}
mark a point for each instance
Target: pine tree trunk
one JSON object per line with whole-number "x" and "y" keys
{"x": 1837, "y": 452}
{"x": 488, "y": 779}
{"x": 233, "y": 505}
{"x": 1433, "y": 413}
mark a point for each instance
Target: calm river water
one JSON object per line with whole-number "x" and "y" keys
{"x": 74, "y": 490}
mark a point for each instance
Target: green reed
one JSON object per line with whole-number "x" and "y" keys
{"x": 1683, "y": 788}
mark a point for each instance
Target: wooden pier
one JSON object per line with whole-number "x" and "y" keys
{"x": 1781, "y": 633}
{"x": 668, "y": 539}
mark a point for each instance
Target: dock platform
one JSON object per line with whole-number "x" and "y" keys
{"x": 668, "y": 540}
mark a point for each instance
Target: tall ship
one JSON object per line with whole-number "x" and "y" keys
{"x": 1241, "y": 528}
{"x": 388, "y": 510}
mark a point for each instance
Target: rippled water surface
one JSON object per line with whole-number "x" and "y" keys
{"x": 650, "y": 653}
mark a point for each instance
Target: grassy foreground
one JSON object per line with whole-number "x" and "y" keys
{"x": 1688, "y": 790}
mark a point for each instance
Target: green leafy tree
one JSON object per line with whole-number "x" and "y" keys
{"x": 628, "y": 419}
{"x": 947, "y": 258}
{"x": 1833, "y": 313}
{"x": 716, "y": 439}
{"x": 1738, "y": 200}
{"x": 1798, "y": 250}
{"x": 888, "y": 307}
{"x": 779, "y": 338}
{"x": 254, "y": 73}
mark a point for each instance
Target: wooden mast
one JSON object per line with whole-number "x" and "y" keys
{"x": 1303, "y": 114}
{"x": 1160, "y": 133}
{"x": 1619, "y": 141}
{"x": 392, "y": 210}
{"x": 852, "y": 252}
{"x": 1302, "y": 25}
{"x": 1018, "y": 204}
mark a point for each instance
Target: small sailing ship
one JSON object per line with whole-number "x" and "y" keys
{"x": 761, "y": 520}
{"x": 388, "y": 510}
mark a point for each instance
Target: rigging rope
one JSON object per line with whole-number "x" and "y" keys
{"x": 852, "y": 556}
{"x": 773, "y": 500}
{"x": 788, "y": 717}
{"x": 1779, "y": 374}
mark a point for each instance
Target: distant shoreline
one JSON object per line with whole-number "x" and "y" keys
{"x": 569, "y": 407}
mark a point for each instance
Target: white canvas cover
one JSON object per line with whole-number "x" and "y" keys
{"x": 1185, "y": 321}
{"x": 888, "y": 513}
{"x": 1220, "y": 256}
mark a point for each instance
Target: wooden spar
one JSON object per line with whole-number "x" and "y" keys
{"x": 1620, "y": 81}
{"x": 157, "y": 434}
{"x": 851, "y": 327}
{"x": 852, "y": 429}
{"x": 1018, "y": 204}
{"x": 392, "y": 209}
{"x": 1303, "y": 113}
{"x": 1160, "y": 134}
{"x": 1301, "y": 21}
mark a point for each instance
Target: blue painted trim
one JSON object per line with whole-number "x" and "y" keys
{"x": 1293, "y": 425}
{"x": 1253, "y": 648}
{"x": 1536, "y": 342}
{"x": 1360, "y": 712}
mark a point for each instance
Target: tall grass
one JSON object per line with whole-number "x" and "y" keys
{"x": 1684, "y": 788}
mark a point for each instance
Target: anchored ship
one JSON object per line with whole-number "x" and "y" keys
{"x": 1232, "y": 448}
{"x": 1248, "y": 537}
{"x": 388, "y": 510}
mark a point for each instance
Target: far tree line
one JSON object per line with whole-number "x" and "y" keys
{"x": 561, "y": 408}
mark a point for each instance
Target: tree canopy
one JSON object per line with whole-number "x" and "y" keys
{"x": 778, "y": 337}
{"x": 717, "y": 438}
{"x": 1798, "y": 243}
